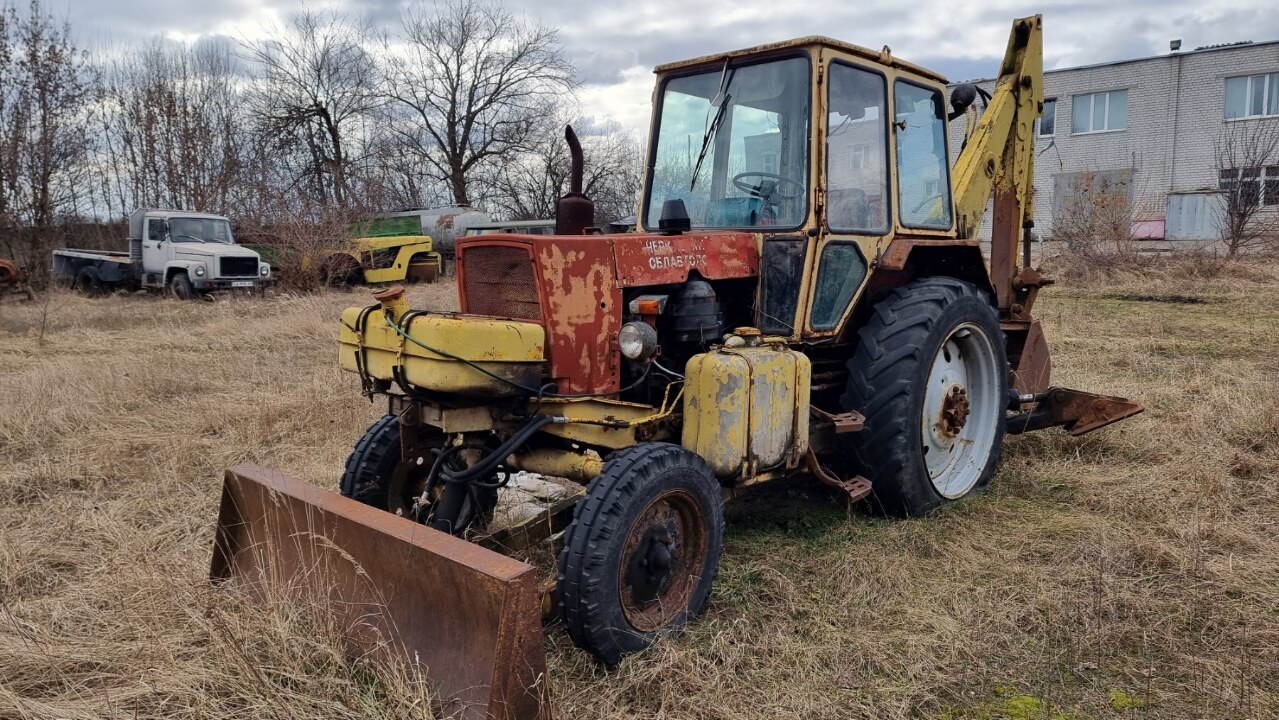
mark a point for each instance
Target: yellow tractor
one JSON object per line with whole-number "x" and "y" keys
{"x": 804, "y": 294}
{"x": 384, "y": 250}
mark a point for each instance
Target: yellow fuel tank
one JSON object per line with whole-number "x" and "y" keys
{"x": 509, "y": 349}
{"x": 746, "y": 407}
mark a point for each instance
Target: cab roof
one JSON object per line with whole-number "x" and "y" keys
{"x": 884, "y": 57}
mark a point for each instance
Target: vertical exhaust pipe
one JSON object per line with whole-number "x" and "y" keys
{"x": 574, "y": 212}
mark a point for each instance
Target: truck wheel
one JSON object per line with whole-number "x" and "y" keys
{"x": 88, "y": 283}
{"x": 931, "y": 377}
{"x": 642, "y": 550}
{"x": 180, "y": 286}
{"x": 375, "y": 476}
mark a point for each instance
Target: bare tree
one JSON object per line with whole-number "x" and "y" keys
{"x": 1093, "y": 215}
{"x": 1247, "y": 155}
{"x": 316, "y": 84}
{"x": 471, "y": 84}
{"x": 174, "y": 129}
{"x": 46, "y": 88}
{"x": 527, "y": 186}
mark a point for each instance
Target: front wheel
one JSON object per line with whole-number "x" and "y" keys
{"x": 642, "y": 550}
{"x": 378, "y": 473}
{"x": 180, "y": 286}
{"x": 931, "y": 376}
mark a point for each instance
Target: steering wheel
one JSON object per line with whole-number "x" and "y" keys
{"x": 757, "y": 189}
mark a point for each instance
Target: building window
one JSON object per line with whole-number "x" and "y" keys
{"x": 1252, "y": 96}
{"x": 1252, "y": 186}
{"x": 858, "y": 156}
{"x": 1099, "y": 112}
{"x": 770, "y": 163}
{"x": 1048, "y": 121}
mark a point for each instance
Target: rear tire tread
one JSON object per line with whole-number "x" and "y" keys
{"x": 882, "y": 372}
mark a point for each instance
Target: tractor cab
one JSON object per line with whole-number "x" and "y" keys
{"x": 824, "y": 150}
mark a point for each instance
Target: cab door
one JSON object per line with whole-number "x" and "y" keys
{"x": 856, "y": 177}
{"x": 154, "y": 254}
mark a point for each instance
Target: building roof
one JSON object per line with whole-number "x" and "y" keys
{"x": 1223, "y": 47}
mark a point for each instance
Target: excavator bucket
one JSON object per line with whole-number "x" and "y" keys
{"x": 471, "y": 617}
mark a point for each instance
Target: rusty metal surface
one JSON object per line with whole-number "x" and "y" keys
{"x": 660, "y": 259}
{"x": 496, "y": 278}
{"x": 662, "y": 561}
{"x": 1075, "y": 411}
{"x": 845, "y": 422}
{"x": 899, "y": 249}
{"x": 1029, "y": 357}
{"x": 423, "y": 271}
{"x": 471, "y": 616}
{"x": 582, "y": 308}
{"x": 856, "y": 488}
{"x": 12, "y": 279}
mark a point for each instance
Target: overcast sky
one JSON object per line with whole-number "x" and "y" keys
{"x": 616, "y": 44}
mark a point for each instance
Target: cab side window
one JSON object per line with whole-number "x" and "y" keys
{"x": 857, "y": 151}
{"x": 155, "y": 230}
{"x": 923, "y": 182}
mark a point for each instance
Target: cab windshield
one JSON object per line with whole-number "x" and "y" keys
{"x": 732, "y": 143}
{"x": 200, "y": 230}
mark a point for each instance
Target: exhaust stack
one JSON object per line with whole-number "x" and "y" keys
{"x": 574, "y": 212}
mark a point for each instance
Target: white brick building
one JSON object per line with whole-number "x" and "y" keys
{"x": 1151, "y": 125}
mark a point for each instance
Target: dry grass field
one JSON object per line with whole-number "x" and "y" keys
{"x": 1130, "y": 573}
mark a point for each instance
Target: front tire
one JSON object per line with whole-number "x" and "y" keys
{"x": 376, "y": 475}
{"x": 931, "y": 376}
{"x": 181, "y": 287}
{"x": 642, "y": 551}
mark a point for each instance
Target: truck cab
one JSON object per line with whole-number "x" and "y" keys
{"x": 191, "y": 252}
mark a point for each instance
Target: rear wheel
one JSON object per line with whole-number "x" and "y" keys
{"x": 931, "y": 377}
{"x": 89, "y": 283}
{"x": 642, "y": 551}
{"x": 377, "y": 474}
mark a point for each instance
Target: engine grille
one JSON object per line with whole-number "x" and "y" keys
{"x": 238, "y": 267}
{"x": 499, "y": 280}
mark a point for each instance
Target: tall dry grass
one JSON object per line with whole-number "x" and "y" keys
{"x": 1133, "y": 572}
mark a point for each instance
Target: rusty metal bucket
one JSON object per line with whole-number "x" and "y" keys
{"x": 471, "y": 616}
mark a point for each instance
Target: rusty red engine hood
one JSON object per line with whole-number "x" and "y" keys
{"x": 575, "y": 287}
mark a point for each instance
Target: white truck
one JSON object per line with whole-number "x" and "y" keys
{"x": 186, "y": 253}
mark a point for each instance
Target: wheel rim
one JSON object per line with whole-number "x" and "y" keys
{"x": 961, "y": 411}
{"x": 662, "y": 561}
{"x": 407, "y": 482}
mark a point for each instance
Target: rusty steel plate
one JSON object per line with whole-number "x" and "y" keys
{"x": 470, "y": 616}
{"x": 658, "y": 259}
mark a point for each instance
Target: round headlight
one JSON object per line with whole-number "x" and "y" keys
{"x": 264, "y": 270}
{"x": 199, "y": 271}
{"x": 638, "y": 340}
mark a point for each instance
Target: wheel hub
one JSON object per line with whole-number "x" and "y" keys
{"x": 954, "y": 411}
{"x": 661, "y": 561}
{"x": 961, "y": 408}
{"x": 651, "y": 566}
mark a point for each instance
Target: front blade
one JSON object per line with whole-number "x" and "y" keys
{"x": 471, "y": 616}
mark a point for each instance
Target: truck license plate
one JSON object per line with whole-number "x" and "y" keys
{"x": 242, "y": 283}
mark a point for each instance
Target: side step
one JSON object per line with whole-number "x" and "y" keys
{"x": 470, "y": 616}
